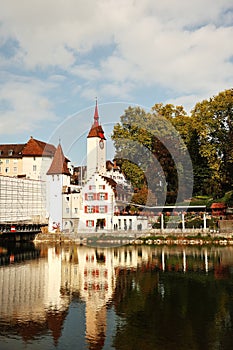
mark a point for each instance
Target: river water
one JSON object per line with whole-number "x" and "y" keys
{"x": 129, "y": 297}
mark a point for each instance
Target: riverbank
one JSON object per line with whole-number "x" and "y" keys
{"x": 137, "y": 238}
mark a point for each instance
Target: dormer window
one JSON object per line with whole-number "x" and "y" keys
{"x": 10, "y": 152}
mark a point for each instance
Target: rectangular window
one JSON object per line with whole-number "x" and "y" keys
{"x": 90, "y": 197}
{"x": 90, "y": 209}
{"x": 67, "y": 210}
{"x": 102, "y": 187}
{"x": 34, "y": 168}
{"x": 76, "y": 210}
{"x": 7, "y": 170}
{"x": 102, "y": 196}
{"x": 7, "y": 161}
{"x": 15, "y": 169}
{"x": 102, "y": 208}
{"x": 90, "y": 223}
{"x": 130, "y": 224}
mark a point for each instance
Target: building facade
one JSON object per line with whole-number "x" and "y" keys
{"x": 30, "y": 160}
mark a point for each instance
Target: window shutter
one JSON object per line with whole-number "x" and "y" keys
{"x": 89, "y": 187}
{"x": 85, "y": 196}
{"x": 103, "y": 187}
{"x": 92, "y": 222}
{"x": 106, "y": 208}
{"x": 94, "y": 196}
{"x": 97, "y": 209}
{"x": 87, "y": 223}
{"x": 106, "y": 196}
{"x": 98, "y": 196}
{"x": 85, "y": 209}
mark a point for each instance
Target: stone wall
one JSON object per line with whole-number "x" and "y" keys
{"x": 225, "y": 226}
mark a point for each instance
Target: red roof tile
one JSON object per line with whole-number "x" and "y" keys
{"x": 59, "y": 163}
{"x": 96, "y": 131}
{"x": 38, "y": 148}
{"x": 219, "y": 205}
{"x": 11, "y": 150}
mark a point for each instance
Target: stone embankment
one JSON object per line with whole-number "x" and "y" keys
{"x": 136, "y": 238}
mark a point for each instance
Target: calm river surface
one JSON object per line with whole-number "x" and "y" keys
{"x": 131, "y": 297}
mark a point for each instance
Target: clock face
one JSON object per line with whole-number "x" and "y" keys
{"x": 101, "y": 143}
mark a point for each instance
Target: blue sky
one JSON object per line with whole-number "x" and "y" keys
{"x": 57, "y": 56}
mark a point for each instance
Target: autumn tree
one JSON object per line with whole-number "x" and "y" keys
{"x": 149, "y": 144}
{"x": 213, "y": 120}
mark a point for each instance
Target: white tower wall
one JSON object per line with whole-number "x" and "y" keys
{"x": 96, "y": 156}
{"x": 55, "y": 205}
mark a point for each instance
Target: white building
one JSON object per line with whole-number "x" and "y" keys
{"x": 97, "y": 205}
{"x": 106, "y": 193}
{"x": 30, "y": 160}
{"x": 64, "y": 199}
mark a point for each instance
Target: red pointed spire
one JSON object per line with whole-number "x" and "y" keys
{"x": 59, "y": 163}
{"x": 96, "y": 115}
{"x": 96, "y": 128}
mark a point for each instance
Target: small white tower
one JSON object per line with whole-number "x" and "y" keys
{"x": 58, "y": 176}
{"x": 96, "y": 147}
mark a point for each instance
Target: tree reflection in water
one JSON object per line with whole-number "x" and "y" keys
{"x": 132, "y": 297}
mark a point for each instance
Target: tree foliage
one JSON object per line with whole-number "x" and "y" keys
{"x": 151, "y": 151}
{"x": 152, "y": 148}
{"x": 213, "y": 123}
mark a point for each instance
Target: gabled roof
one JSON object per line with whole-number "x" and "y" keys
{"x": 38, "y": 148}
{"x": 59, "y": 163}
{"x": 11, "y": 150}
{"x": 96, "y": 129}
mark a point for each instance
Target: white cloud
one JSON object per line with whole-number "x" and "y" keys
{"x": 23, "y": 105}
{"x": 184, "y": 47}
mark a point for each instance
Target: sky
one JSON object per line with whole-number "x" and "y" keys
{"x": 58, "y": 56}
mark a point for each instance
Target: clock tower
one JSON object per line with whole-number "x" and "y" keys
{"x": 96, "y": 147}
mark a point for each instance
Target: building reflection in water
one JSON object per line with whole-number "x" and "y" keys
{"x": 35, "y": 295}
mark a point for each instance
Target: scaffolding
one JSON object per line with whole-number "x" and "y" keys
{"x": 22, "y": 200}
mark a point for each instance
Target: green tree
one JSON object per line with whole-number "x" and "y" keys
{"x": 201, "y": 172}
{"x": 150, "y": 142}
{"x": 213, "y": 120}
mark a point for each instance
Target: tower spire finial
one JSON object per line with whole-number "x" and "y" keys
{"x": 96, "y": 115}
